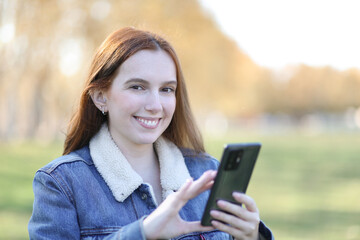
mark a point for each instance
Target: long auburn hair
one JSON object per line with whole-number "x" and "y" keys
{"x": 115, "y": 50}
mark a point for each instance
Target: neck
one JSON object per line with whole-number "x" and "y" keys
{"x": 144, "y": 161}
{"x": 140, "y": 156}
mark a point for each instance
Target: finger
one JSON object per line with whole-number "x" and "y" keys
{"x": 226, "y": 228}
{"x": 177, "y": 200}
{"x": 238, "y": 228}
{"x": 234, "y": 209}
{"x": 206, "y": 177}
{"x": 229, "y": 219}
{"x": 205, "y": 182}
{"x": 235, "y": 214}
{"x": 191, "y": 189}
{"x": 185, "y": 187}
{"x": 246, "y": 200}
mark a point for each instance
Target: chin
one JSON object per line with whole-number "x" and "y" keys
{"x": 148, "y": 140}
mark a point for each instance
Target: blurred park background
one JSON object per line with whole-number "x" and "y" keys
{"x": 307, "y": 179}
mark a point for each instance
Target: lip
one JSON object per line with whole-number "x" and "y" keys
{"x": 149, "y": 123}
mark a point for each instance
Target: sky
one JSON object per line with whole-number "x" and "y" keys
{"x": 279, "y": 33}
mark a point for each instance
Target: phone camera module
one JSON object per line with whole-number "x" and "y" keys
{"x": 234, "y": 160}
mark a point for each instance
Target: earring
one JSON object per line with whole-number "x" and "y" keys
{"x": 102, "y": 110}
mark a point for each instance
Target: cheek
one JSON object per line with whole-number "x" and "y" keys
{"x": 124, "y": 104}
{"x": 170, "y": 106}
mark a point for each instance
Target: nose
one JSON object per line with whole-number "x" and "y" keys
{"x": 153, "y": 103}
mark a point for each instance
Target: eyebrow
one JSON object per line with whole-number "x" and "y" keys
{"x": 140, "y": 80}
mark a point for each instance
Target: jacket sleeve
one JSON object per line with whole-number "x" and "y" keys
{"x": 55, "y": 217}
{"x": 131, "y": 231}
{"x": 264, "y": 232}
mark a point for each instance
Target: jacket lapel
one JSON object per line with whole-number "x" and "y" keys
{"x": 120, "y": 176}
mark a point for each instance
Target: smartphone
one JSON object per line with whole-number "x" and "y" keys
{"x": 236, "y": 166}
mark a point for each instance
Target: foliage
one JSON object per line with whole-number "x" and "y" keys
{"x": 313, "y": 89}
{"x": 305, "y": 186}
{"x": 44, "y": 63}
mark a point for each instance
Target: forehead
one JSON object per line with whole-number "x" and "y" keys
{"x": 148, "y": 64}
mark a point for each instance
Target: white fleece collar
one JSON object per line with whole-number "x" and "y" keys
{"x": 121, "y": 177}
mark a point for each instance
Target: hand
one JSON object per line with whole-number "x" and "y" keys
{"x": 165, "y": 221}
{"x": 240, "y": 222}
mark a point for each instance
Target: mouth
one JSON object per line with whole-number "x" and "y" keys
{"x": 149, "y": 123}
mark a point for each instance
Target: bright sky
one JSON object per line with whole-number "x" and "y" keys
{"x": 276, "y": 33}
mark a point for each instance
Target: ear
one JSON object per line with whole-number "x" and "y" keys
{"x": 99, "y": 99}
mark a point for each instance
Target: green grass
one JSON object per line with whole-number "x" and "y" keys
{"x": 306, "y": 187}
{"x": 19, "y": 163}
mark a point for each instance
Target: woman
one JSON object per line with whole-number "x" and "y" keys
{"x": 131, "y": 154}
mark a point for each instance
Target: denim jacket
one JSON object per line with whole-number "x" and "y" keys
{"x": 77, "y": 196}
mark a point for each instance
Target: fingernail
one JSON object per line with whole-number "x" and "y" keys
{"x": 213, "y": 213}
{"x": 214, "y": 223}
{"x": 237, "y": 194}
{"x": 221, "y": 203}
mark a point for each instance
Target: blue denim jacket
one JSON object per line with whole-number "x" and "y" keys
{"x": 72, "y": 201}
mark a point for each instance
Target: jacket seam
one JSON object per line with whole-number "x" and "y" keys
{"x": 133, "y": 204}
{"x": 64, "y": 186}
{"x": 98, "y": 231}
{"x": 61, "y": 187}
{"x": 74, "y": 159}
{"x": 51, "y": 171}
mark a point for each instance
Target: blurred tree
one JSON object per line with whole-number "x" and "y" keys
{"x": 54, "y": 42}
{"x": 324, "y": 89}
{"x": 46, "y": 47}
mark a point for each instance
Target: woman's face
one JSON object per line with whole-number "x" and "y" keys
{"x": 141, "y": 100}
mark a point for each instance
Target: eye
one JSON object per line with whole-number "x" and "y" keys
{"x": 137, "y": 87}
{"x": 168, "y": 89}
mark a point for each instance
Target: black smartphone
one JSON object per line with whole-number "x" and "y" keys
{"x": 236, "y": 166}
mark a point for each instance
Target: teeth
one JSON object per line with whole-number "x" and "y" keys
{"x": 147, "y": 122}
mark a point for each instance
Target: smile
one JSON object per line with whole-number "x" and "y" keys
{"x": 148, "y": 123}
